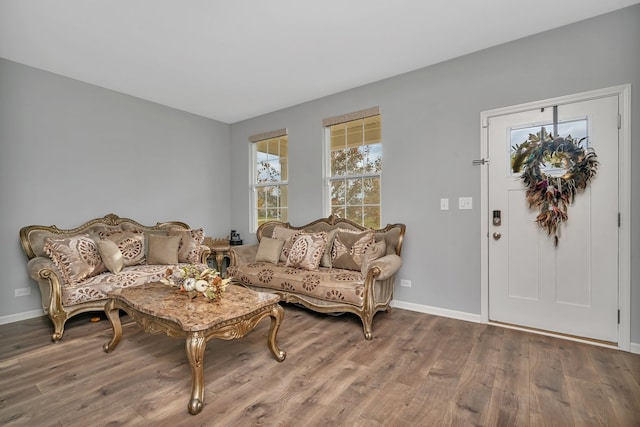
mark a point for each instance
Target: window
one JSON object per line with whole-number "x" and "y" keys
{"x": 576, "y": 129}
{"x": 270, "y": 177}
{"x": 355, "y": 166}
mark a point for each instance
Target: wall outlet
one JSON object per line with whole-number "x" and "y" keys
{"x": 405, "y": 283}
{"x": 444, "y": 204}
{"x": 21, "y": 292}
{"x": 465, "y": 203}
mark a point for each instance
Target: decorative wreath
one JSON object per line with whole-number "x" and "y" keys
{"x": 552, "y": 193}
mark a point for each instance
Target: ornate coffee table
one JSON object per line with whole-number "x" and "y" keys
{"x": 159, "y": 308}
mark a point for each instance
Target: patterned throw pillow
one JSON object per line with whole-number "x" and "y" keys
{"x": 373, "y": 253}
{"x": 76, "y": 257}
{"x": 349, "y": 249}
{"x": 288, "y": 236}
{"x": 190, "y": 241}
{"x": 131, "y": 245}
{"x": 307, "y": 250}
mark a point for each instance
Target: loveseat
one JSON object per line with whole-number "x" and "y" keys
{"x": 331, "y": 265}
{"x": 76, "y": 268}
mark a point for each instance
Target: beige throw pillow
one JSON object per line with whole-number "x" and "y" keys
{"x": 269, "y": 250}
{"x": 307, "y": 250}
{"x": 111, "y": 255}
{"x": 163, "y": 249}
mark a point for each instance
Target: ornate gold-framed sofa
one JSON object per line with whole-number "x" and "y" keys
{"x": 354, "y": 275}
{"x": 76, "y": 268}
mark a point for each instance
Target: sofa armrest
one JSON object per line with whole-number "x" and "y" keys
{"x": 388, "y": 266}
{"x": 50, "y": 282}
{"x": 243, "y": 254}
{"x": 38, "y": 265}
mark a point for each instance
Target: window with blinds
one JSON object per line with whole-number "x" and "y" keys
{"x": 355, "y": 167}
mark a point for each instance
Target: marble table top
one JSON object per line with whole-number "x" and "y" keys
{"x": 197, "y": 314}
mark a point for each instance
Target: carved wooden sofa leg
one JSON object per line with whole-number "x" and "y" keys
{"x": 58, "y": 320}
{"x": 367, "y": 321}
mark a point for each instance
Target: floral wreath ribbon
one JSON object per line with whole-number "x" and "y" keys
{"x": 552, "y": 193}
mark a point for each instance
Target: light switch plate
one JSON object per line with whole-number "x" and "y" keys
{"x": 465, "y": 203}
{"x": 444, "y": 204}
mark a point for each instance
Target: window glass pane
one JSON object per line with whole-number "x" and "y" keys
{"x": 354, "y": 213}
{"x": 354, "y": 191}
{"x": 355, "y": 135}
{"x": 371, "y": 191}
{"x": 372, "y": 130}
{"x": 373, "y": 160}
{"x": 284, "y": 169}
{"x": 576, "y": 129}
{"x": 338, "y": 162}
{"x": 372, "y": 216}
{"x": 338, "y": 189}
{"x": 338, "y": 137}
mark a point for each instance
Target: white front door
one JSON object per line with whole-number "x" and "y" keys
{"x": 571, "y": 288}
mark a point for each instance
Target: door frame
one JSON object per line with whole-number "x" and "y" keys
{"x": 624, "y": 196}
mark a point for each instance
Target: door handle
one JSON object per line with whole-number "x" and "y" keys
{"x": 497, "y": 236}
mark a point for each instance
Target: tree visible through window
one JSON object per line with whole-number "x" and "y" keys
{"x": 355, "y": 170}
{"x": 271, "y": 176}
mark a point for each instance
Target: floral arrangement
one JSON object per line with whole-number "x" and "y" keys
{"x": 553, "y": 192}
{"x": 195, "y": 280}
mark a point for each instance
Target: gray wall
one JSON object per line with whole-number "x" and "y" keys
{"x": 70, "y": 152}
{"x": 431, "y": 133}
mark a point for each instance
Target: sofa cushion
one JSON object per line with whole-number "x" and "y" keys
{"x": 190, "y": 242}
{"x": 269, "y": 250}
{"x": 288, "y": 236}
{"x": 111, "y": 255}
{"x": 349, "y": 248}
{"x": 306, "y": 251}
{"x": 328, "y": 284}
{"x": 97, "y": 287}
{"x": 76, "y": 257}
{"x": 163, "y": 249}
{"x": 130, "y": 243}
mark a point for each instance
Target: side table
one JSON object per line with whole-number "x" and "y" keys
{"x": 219, "y": 249}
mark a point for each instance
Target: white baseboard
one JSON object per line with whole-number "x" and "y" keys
{"x": 437, "y": 311}
{"x": 21, "y": 316}
{"x": 461, "y": 315}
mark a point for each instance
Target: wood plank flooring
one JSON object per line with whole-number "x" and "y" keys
{"x": 419, "y": 370}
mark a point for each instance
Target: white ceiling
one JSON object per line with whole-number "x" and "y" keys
{"x": 236, "y": 59}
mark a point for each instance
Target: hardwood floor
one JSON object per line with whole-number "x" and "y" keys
{"x": 418, "y": 370}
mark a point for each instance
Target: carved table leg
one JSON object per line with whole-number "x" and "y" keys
{"x": 277, "y": 313}
{"x": 114, "y": 316}
{"x": 195, "y": 345}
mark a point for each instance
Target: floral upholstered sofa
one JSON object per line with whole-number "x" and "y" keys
{"x": 76, "y": 268}
{"x": 331, "y": 265}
